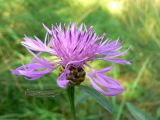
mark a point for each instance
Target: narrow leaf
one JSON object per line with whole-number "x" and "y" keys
{"x": 43, "y": 93}
{"x": 138, "y": 114}
{"x": 99, "y": 98}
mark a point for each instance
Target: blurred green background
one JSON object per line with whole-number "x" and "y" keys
{"x": 135, "y": 22}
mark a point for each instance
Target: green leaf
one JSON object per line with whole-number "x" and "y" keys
{"x": 158, "y": 112}
{"x": 43, "y": 93}
{"x": 99, "y": 98}
{"x": 137, "y": 113}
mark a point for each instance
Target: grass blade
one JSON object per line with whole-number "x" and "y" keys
{"x": 99, "y": 98}
{"x": 138, "y": 114}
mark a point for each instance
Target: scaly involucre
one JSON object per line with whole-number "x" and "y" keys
{"x": 72, "y": 48}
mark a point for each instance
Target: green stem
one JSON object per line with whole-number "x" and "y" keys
{"x": 70, "y": 91}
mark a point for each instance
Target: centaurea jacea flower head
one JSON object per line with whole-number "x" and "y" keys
{"x": 73, "y": 47}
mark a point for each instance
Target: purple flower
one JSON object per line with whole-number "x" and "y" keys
{"x": 71, "y": 48}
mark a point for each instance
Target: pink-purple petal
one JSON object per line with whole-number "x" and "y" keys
{"x": 106, "y": 89}
{"x": 104, "y": 70}
{"x": 61, "y": 81}
{"x": 117, "y": 60}
{"x": 32, "y": 71}
{"x": 36, "y": 45}
{"x": 47, "y": 29}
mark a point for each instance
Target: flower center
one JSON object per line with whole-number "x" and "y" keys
{"x": 76, "y": 75}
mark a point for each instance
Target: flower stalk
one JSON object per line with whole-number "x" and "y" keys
{"x": 70, "y": 91}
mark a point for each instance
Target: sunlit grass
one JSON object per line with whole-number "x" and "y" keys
{"x": 115, "y": 7}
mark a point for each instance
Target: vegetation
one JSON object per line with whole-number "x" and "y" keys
{"x": 134, "y": 22}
